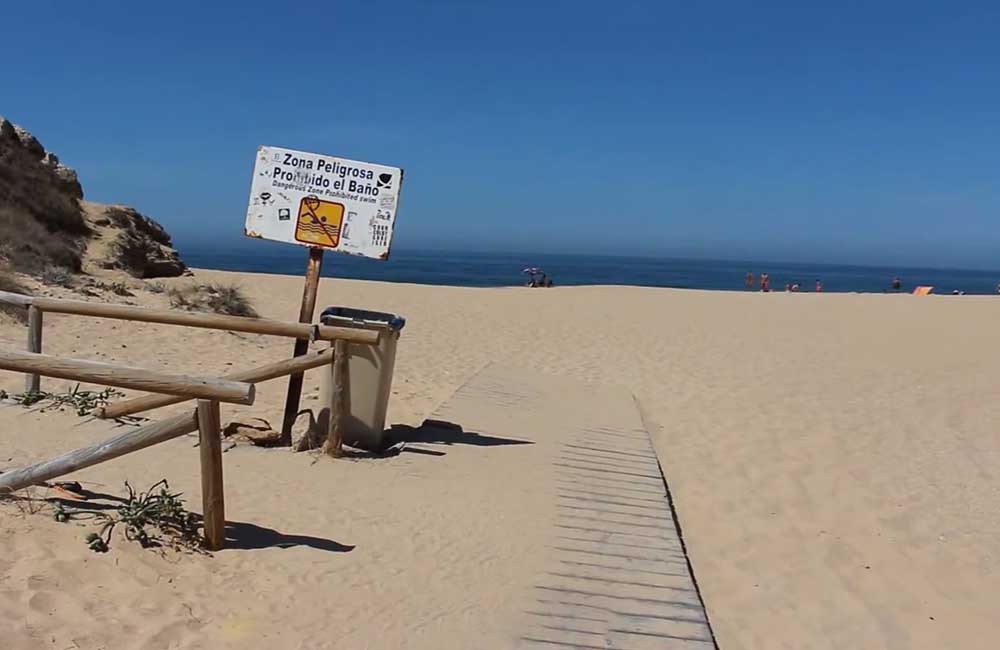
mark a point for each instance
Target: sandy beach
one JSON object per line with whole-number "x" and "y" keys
{"x": 833, "y": 460}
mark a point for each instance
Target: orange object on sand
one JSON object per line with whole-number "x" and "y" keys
{"x": 67, "y": 490}
{"x": 923, "y": 291}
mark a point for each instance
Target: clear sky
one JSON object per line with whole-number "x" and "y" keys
{"x": 855, "y": 132}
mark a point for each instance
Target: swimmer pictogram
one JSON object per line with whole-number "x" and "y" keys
{"x": 319, "y": 222}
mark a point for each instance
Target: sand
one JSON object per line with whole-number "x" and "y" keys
{"x": 833, "y": 460}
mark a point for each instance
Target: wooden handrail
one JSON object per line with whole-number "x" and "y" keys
{"x": 106, "y": 374}
{"x": 18, "y": 299}
{"x": 194, "y": 319}
{"x": 123, "y": 443}
{"x": 262, "y": 373}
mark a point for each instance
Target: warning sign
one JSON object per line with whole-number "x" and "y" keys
{"x": 316, "y": 200}
{"x": 319, "y": 222}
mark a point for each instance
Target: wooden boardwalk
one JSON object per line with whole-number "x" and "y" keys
{"x": 615, "y": 573}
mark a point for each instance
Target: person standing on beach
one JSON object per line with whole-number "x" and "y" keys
{"x": 765, "y": 282}
{"x": 897, "y": 283}
{"x": 819, "y": 287}
{"x": 750, "y": 280}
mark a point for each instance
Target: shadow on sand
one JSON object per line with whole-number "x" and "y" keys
{"x": 439, "y": 432}
{"x": 239, "y": 535}
{"x": 400, "y": 439}
{"x": 249, "y": 537}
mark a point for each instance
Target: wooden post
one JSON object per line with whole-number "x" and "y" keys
{"x": 33, "y": 382}
{"x": 313, "y": 268}
{"x": 99, "y": 452}
{"x": 262, "y": 373}
{"x": 340, "y": 405}
{"x": 212, "y": 499}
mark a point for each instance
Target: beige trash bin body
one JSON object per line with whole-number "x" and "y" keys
{"x": 370, "y": 369}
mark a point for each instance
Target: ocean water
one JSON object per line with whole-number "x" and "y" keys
{"x": 503, "y": 269}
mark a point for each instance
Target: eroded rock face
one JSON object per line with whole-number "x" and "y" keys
{"x": 43, "y": 224}
{"x": 41, "y": 221}
{"x": 57, "y": 173}
{"x": 142, "y": 247}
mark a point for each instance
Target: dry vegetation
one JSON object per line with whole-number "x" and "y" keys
{"x": 30, "y": 247}
{"x": 132, "y": 252}
{"x": 142, "y": 247}
{"x": 44, "y": 226}
{"x": 41, "y": 221}
{"x": 8, "y": 282}
{"x": 30, "y": 188}
{"x": 216, "y": 298}
{"x": 59, "y": 276}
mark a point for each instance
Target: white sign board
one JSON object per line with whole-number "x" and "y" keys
{"x": 315, "y": 200}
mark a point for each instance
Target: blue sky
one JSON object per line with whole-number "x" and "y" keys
{"x": 855, "y": 132}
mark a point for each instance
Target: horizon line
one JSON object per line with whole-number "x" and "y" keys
{"x": 894, "y": 269}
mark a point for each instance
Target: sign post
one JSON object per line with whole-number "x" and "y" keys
{"x": 313, "y": 267}
{"x": 325, "y": 203}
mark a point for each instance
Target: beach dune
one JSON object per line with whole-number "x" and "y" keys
{"x": 833, "y": 460}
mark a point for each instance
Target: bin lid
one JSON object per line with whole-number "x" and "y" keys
{"x": 392, "y": 321}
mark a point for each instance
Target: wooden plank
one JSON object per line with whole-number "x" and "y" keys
{"x": 106, "y": 374}
{"x": 206, "y": 321}
{"x": 123, "y": 443}
{"x": 212, "y": 499}
{"x": 18, "y": 299}
{"x": 614, "y": 571}
{"x": 255, "y": 375}
{"x": 340, "y": 407}
{"x": 313, "y": 267}
{"x": 33, "y": 381}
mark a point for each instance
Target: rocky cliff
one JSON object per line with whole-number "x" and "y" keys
{"x": 44, "y": 221}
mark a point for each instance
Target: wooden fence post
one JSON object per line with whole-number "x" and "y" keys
{"x": 212, "y": 499}
{"x": 33, "y": 381}
{"x": 340, "y": 400}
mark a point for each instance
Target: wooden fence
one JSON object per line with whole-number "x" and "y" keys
{"x": 294, "y": 368}
{"x": 305, "y": 331}
{"x": 205, "y": 420}
{"x": 167, "y": 388}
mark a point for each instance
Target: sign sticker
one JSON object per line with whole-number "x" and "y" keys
{"x": 323, "y": 201}
{"x": 319, "y": 222}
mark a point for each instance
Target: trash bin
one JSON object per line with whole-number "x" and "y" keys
{"x": 369, "y": 374}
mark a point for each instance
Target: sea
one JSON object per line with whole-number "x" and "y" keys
{"x": 505, "y": 269}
